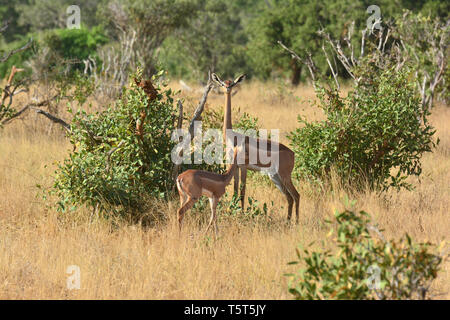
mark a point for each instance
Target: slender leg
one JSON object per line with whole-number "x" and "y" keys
{"x": 281, "y": 185}
{"x": 290, "y": 204}
{"x": 243, "y": 184}
{"x": 213, "y": 203}
{"x": 236, "y": 183}
{"x": 216, "y": 228}
{"x": 294, "y": 194}
{"x": 185, "y": 207}
{"x": 183, "y": 198}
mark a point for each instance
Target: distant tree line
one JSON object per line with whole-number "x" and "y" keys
{"x": 188, "y": 37}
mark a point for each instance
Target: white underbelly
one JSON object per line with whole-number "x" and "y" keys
{"x": 207, "y": 193}
{"x": 253, "y": 167}
{"x": 263, "y": 170}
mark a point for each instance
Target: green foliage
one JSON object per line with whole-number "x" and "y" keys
{"x": 422, "y": 37}
{"x": 213, "y": 119}
{"x": 295, "y": 23}
{"x": 73, "y": 87}
{"x": 252, "y": 214}
{"x": 364, "y": 267}
{"x": 150, "y": 22}
{"x": 39, "y": 15}
{"x": 17, "y": 59}
{"x": 213, "y": 40}
{"x": 9, "y": 11}
{"x": 75, "y": 44}
{"x": 375, "y": 135}
{"x": 111, "y": 167}
{"x": 188, "y": 37}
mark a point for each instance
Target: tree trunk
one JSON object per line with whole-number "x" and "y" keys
{"x": 296, "y": 72}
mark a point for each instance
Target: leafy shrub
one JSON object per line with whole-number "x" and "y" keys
{"x": 213, "y": 119}
{"x": 54, "y": 50}
{"x": 378, "y": 128}
{"x": 111, "y": 164}
{"x": 253, "y": 212}
{"x": 364, "y": 267}
{"x": 76, "y": 43}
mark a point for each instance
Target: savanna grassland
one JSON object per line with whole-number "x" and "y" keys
{"x": 120, "y": 259}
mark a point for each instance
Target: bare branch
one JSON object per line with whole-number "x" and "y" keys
{"x": 176, "y": 167}
{"x": 336, "y": 46}
{"x": 7, "y": 55}
{"x": 17, "y": 114}
{"x": 180, "y": 115}
{"x": 201, "y": 105}
{"x": 5, "y": 26}
{"x": 185, "y": 86}
{"x": 307, "y": 61}
{"x": 363, "y": 38}
{"x": 334, "y": 73}
{"x": 386, "y": 39}
{"x": 53, "y": 118}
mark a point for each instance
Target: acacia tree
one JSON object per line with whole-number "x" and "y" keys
{"x": 381, "y": 124}
{"x": 55, "y": 77}
{"x": 150, "y": 22}
{"x": 295, "y": 23}
{"x": 214, "y": 40}
{"x": 425, "y": 45}
{"x": 11, "y": 88}
{"x": 40, "y": 15}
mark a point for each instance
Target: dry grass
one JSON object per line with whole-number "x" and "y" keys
{"x": 123, "y": 260}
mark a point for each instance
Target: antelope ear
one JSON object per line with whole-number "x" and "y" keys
{"x": 216, "y": 79}
{"x": 239, "y": 79}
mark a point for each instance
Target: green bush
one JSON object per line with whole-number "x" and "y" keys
{"x": 253, "y": 213}
{"x": 65, "y": 46}
{"x": 75, "y": 44}
{"x": 213, "y": 119}
{"x": 113, "y": 167}
{"x": 376, "y": 135}
{"x": 364, "y": 266}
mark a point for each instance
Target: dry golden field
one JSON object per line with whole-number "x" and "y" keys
{"x": 122, "y": 260}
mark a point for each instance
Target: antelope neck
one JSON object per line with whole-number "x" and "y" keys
{"x": 227, "y": 115}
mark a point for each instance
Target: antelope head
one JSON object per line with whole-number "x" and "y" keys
{"x": 227, "y": 84}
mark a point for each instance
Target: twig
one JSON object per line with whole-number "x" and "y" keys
{"x": 110, "y": 152}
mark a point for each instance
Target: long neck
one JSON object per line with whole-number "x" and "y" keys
{"x": 231, "y": 169}
{"x": 227, "y": 116}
